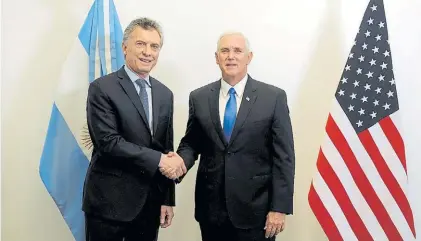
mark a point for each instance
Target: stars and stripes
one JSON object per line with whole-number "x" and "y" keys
{"x": 360, "y": 189}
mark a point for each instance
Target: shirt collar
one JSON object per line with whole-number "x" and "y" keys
{"x": 133, "y": 76}
{"x": 239, "y": 87}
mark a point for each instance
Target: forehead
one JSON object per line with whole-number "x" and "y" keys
{"x": 232, "y": 41}
{"x": 149, "y": 35}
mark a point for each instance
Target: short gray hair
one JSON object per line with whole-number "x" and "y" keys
{"x": 145, "y": 23}
{"x": 233, "y": 33}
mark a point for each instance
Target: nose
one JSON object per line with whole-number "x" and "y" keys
{"x": 230, "y": 55}
{"x": 147, "y": 51}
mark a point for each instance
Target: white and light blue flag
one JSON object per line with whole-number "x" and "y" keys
{"x": 66, "y": 154}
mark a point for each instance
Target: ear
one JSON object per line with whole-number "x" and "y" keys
{"x": 124, "y": 47}
{"x": 216, "y": 58}
{"x": 250, "y": 57}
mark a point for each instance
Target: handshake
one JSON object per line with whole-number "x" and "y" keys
{"x": 172, "y": 166}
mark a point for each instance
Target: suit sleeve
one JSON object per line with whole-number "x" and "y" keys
{"x": 170, "y": 193}
{"x": 283, "y": 170}
{"x": 189, "y": 148}
{"x": 102, "y": 123}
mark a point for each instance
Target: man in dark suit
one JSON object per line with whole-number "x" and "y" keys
{"x": 242, "y": 130}
{"x": 130, "y": 120}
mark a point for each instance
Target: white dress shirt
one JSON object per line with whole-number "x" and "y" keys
{"x": 133, "y": 77}
{"x": 224, "y": 96}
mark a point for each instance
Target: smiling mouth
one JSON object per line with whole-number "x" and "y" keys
{"x": 231, "y": 65}
{"x": 145, "y": 61}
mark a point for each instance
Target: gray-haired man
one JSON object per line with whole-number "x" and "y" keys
{"x": 242, "y": 131}
{"x": 130, "y": 120}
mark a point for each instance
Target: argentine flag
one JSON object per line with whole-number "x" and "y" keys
{"x": 67, "y": 149}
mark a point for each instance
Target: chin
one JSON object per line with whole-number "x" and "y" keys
{"x": 144, "y": 69}
{"x": 231, "y": 73}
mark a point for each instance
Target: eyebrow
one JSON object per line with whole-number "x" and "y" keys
{"x": 143, "y": 41}
{"x": 226, "y": 48}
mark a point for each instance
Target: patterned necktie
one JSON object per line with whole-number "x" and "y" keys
{"x": 230, "y": 114}
{"x": 144, "y": 97}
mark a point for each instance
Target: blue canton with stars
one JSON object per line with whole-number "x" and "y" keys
{"x": 367, "y": 90}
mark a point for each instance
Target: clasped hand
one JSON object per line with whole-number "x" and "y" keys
{"x": 172, "y": 166}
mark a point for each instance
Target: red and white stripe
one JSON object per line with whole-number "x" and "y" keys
{"x": 359, "y": 191}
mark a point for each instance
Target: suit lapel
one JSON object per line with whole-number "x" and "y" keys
{"x": 156, "y": 103}
{"x": 214, "y": 110}
{"x": 248, "y": 99}
{"x": 130, "y": 90}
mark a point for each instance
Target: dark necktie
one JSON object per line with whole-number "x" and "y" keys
{"x": 144, "y": 97}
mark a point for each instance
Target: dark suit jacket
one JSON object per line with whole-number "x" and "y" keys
{"x": 254, "y": 172}
{"x": 125, "y": 158}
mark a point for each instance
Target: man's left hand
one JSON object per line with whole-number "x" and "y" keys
{"x": 166, "y": 216}
{"x": 275, "y": 223}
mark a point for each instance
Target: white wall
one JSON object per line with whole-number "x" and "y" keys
{"x": 299, "y": 45}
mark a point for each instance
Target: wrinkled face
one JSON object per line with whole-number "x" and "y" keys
{"x": 141, "y": 50}
{"x": 233, "y": 56}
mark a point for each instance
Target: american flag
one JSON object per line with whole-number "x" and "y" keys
{"x": 359, "y": 191}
